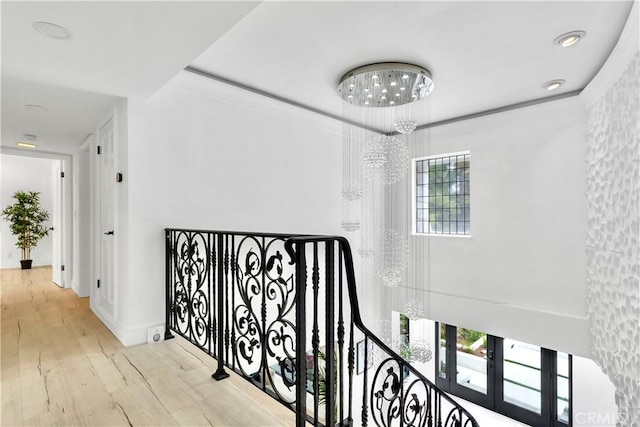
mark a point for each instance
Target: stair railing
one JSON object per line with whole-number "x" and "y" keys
{"x": 282, "y": 311}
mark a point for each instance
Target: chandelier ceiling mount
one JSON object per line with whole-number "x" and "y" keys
{"x": 385, "y": 84}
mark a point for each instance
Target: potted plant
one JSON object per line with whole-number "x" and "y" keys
{"x": 26, "y": 218}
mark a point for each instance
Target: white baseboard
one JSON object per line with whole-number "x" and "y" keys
{"x": 127, "y": 337}
{"x": 136, "y": 336}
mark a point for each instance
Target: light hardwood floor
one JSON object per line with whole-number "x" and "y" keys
{"x": 61, "y": 366}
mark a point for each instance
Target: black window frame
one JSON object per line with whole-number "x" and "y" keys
{"x": 447, "y": 220}
{"x": 493, "y": 400}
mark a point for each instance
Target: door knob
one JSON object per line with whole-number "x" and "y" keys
{"x": 109, "y": 233}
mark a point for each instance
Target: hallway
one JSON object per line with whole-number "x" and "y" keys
{"x": 62, "y": 366}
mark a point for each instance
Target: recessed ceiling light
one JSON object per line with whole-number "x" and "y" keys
{"x": 569, "y": 39}
{"x": 553, "y": 84}
{"x": 38, "y": 108}
{"x": 52, "y": 30}
{"x": 26, "y": 145}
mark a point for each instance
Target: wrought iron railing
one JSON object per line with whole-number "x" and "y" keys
{"x": 282, "y": 311}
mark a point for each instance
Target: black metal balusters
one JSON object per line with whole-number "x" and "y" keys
{"x": 330, "y": 365}
{"x": 301, "y": 336}
{"x": 246, "y": 304}
{"x": 219, "y": 286}
{"x": 169, "y": 310}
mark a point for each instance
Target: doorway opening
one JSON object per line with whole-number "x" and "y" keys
{"x": 49, "y": 175}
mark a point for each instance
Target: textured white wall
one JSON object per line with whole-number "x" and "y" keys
{"x": 613, "y": 219}
{"x": 27, "y": 174}
{"x": 613, "y": 248}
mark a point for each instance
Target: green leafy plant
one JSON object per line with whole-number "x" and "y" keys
{"x": 469, "y": 336}
{"x": 26, "y": 218}
{"x": 322, "y": 381}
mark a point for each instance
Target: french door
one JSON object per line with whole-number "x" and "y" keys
{"x": 522, "y": 381}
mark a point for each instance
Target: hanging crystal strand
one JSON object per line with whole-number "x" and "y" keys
{"x": 351, "y": 183}
{"x": 392, "y": 253}
{"x": 420, "y": 143}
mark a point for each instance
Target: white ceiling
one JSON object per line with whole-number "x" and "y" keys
{"x": 482, "y": 55}
{"x": 71, "y": 114}
{"x": 118, "y": 49}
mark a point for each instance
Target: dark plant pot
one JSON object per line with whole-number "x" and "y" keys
{"x": 26, "y": 264}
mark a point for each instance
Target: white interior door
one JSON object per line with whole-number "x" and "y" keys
{"x": 56, "y": 224}
{"x": 106, "y": 208}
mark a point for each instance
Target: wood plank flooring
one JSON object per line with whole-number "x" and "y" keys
{"x": 61, "y": 366}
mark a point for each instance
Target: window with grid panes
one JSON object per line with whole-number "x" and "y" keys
{"x": 442, "y": 204}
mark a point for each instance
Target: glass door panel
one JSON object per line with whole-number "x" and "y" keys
{"x": 562, "y": 388}
{"x": 471, "y": 359}
{"x": 522, "y": 377}
{"x": 442, "y": 354}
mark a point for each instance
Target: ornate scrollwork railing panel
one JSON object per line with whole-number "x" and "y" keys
{"x": 263, "y": 305}
{"x": 400, "y": 396}
{"x": 247, "y": 329}
{"x": 192, "y": 293}
{"x": 279, "y": 320}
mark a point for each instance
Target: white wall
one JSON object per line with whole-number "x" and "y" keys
{"x": 593, "y": 395}
{"x": 27, "y": 174}
{"x": 209, "y": 156}
{"x": 521, "y": 273}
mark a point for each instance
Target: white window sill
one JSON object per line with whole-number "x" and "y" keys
{"x": 456, "y": 236}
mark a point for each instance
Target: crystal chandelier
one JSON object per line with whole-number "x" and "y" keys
{"x": 387, "y": 84}
{"x": 383, "y": 106}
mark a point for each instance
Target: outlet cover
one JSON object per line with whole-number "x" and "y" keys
{"x": 155, "y": 334}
